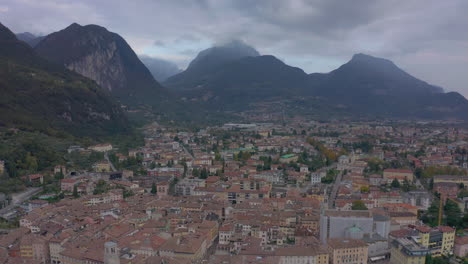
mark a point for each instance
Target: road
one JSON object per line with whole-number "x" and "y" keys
{"x": 106, "y": 156}
{"x": 19, "y": 198}
{"x": 334, "y": 192}
{"x": 186, "y": 151}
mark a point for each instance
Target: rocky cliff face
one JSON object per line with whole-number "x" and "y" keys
{"x": 39, "y": 95}
{"x": 104, "y": 57}
{"x": 104, "y": 65}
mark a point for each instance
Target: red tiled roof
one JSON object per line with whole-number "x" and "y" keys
{"x": 445, "y": 229}
{"x": 398, "y": 170}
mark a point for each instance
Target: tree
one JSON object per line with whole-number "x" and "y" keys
{"x": 204, "y": 173}
{"x": 395, "y": 183}
{"x": 453, "y": 213}
{"x": 185, "y": 170}
{"x": 364, "y": 189}
{"x": 153, "y": 188}
{"x": 358, "y": 205}
{"x": 407, "y": 186}
{"x": 327, "y": 179}
{"x": 75, "y": 191}
{"x": 431, "y": 216}
{"x": 59, "y": 175}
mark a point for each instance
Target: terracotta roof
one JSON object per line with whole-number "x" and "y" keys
{"x": 445, "y": 229}
{"x": 424, "y": 229}
{"x": 337, "y": 243}
{"x": 398, "y": 170}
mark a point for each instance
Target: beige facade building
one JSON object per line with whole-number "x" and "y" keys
{"x": 406, "y": 251}
{"x": 400, "y": 174}
{"x": 347, "y": 251}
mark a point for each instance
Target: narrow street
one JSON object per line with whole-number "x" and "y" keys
{"x": 19, "y": 198}
{"x": 334, "y": 192}
{"x": 106, "y": 156}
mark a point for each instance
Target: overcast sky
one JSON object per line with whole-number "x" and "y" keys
{"x": 428, "y": 38}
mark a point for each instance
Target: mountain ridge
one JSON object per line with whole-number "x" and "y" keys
{"x": 209, "y": 60}
{"x": 40, "y": 95}
{"x": 106, "y": 58}
{"x": 365, "y": 85}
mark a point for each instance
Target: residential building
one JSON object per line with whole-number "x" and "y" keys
{"x": 347, "y": 251}
{"x": 407, "y": 251}
{"x": 288, "y": 158}
{"x": 352, "y": 224}
{"x": 101, "y": 147}
{"x": 451, "y": 178}
{"x": 440, "y": 240}
{"x": 461, "y": 246}
{"x": 302, "y": 254}
{"x": 400, "y": 174}
{"x": 102, "y": 166}
{"x": 2, "y": 166}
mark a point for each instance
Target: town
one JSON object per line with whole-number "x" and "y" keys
{"x": 293, "y": 191}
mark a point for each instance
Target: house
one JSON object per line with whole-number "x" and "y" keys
{"x": 35, "y": 178}
{"x": 288, "y": 158}
{"x": 2, "y": 166}
{"x": 302, "y": 254}
{"x": 75, "y": 149}
{"x": 102, "y": 166}
{"x": 406, "y": 251}
{"x": 66, "y": 185}
{"x": 400, "y": 174}
{"x": 127, "y": 185}
{"x": 439, "y": 240}
{"x": 461, "y": 246}
{"x": 101, "y": 147}
{"x": 451, "y": 178}
{"x": 346, "y": 250}
{"x": 163, "y": 189}
{"x": 60, "y": 169}
{"x": 33, "y": 204}
{"x": 316, "y": 177}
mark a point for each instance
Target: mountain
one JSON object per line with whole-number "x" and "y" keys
{"x": 373, "y": 85}
{"x": 210, "y": 60}
{"x": 106, "y": 58}
{"x": 40, "y": 95}
{"x": 159, "y": 68}
{"x": 29, "y": 38}
{"x": 231, "y": 78}
{"x": 248, "y": 80}
{"x": 367, "y": 75}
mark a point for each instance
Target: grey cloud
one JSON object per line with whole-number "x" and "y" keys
{"x": 426, "y": 37}
{"x": 159, "y": 43}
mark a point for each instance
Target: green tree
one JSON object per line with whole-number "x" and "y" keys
{"x": 407, "y": 186}
{"x": 453, "y": 214}
{"x": 327, "y": 179}
{"x": 364, "y": 189}
{"x": 358, "y": 205}
{"x": 204, "y": 173}
{"x": 153, "y": 188}
{"x": 185, "y": 170}
{"x": 30, "y": 162}
{"x": 431, "y": 216}
{"x": 75, "y": 191}
{"x": 395, "y": 183}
